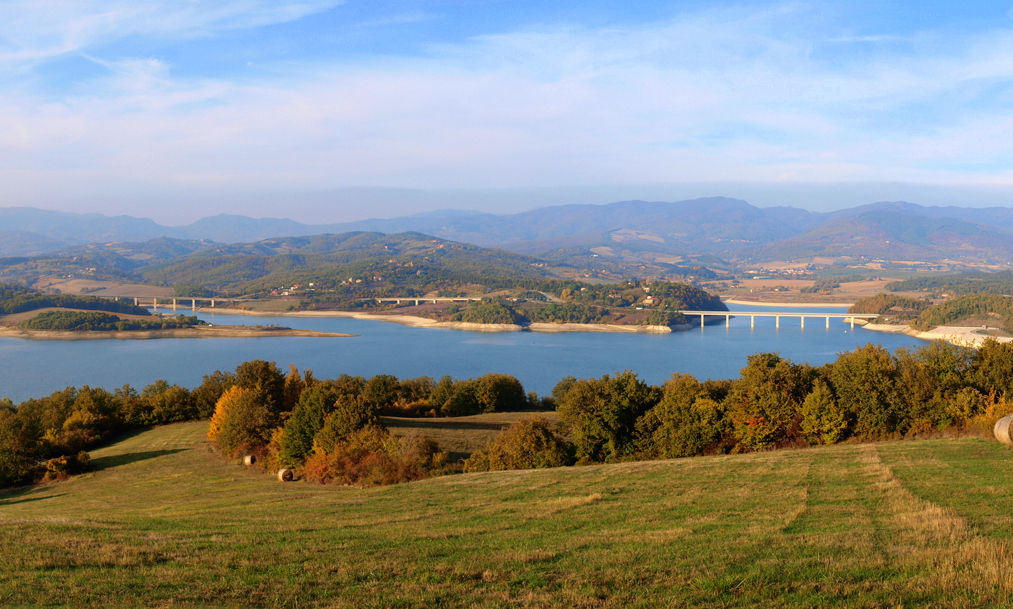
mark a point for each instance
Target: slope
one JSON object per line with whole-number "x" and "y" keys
{"x": 892, "y": 235}
{"x": 164, "y": 522}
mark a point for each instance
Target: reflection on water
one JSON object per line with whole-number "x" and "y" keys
{"x": 35, "y": 368}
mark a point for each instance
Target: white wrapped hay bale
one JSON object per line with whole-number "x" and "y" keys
{"x": 249, "y": 460}
{"x": 285, "y": 475}
{"x": 1002, "y": 430}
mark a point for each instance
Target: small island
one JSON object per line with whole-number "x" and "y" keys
{"x": 76, "y": 324}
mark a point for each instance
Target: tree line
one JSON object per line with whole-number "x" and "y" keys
{"x": 77, "y": 321}
{"x": 331, "y": 430}
{"x": 16, "y": 299}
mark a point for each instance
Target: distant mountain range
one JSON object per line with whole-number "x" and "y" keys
{"x": 656, "y": 232}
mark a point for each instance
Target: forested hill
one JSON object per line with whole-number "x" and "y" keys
{"x": 16, "y": 299}
{"x": 958, "y": 283}
{"x": 396, "y": 262}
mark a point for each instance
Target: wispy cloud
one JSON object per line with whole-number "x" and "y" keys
{"x": 718, "y": 95}
{"x": 35, "y": 30}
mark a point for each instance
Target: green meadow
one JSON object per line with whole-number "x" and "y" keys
{"x": 163, "y": 521}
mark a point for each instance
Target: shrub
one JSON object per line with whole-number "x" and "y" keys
{"x": 371, "y": 456}
{"x": 206, "y": 396}
{"x": 528, "y": 443}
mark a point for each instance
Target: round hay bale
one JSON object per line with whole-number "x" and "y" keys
{"x": 285, "y": 475}
{"x": 1002, "y": 430}
{"x": 249, "y": 459}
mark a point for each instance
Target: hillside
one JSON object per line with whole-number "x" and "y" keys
{"x": 408, "y": 259}
{"x": 163, "y": 521}
{"x": 626, "y": 237}
{"x": 894, "y": 236}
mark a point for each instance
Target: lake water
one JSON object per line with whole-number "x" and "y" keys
{"x": 32, "y": 368}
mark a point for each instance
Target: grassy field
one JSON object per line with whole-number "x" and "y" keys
{"x": 164, "y": 522}
{"x": 461, "y": 436}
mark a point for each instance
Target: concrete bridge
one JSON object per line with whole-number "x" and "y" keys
{"x": 419, "y": 301}
{"x": 777, "y": 315}
{"x": 177, "y": 302}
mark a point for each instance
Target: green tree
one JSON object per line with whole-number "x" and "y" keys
{"x": 823, "y": 421}
{"x": 601, "y": 414}
{"x": 685, "y": 423}
{"x": 264, "y": 378}
{"x": 863, "y": 381}
{"x": 349, "y": 415}
{"x": 528, "y": 443}
{"x": 305, "y": 422}
{"x": 764, "y": 403}
{"x": 207, "y": 394}
{"x": 248, "y": 423}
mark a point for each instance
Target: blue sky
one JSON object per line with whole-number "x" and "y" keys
{"x": 330, "y": 111}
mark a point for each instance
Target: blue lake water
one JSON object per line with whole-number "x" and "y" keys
{"x": 33, "y": 368}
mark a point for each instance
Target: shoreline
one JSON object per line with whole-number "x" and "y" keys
{"x": 424, "y": 322}
{"x": 198, "y": 332}
{"x": 961, "y": 336}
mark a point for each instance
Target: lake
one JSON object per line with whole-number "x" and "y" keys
{"x": 36, "y": 368}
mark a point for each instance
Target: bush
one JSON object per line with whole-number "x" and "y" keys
{"x": 528, "y": 443}
{"x": 371, "y": 457}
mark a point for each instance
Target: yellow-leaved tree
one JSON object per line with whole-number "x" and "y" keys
{"x": 222, "y": 406}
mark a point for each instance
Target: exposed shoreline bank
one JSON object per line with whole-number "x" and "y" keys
{"x": 425, "y": 322}
{"x": 955, "y": 335}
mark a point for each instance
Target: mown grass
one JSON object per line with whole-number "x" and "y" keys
{"x": 461, "y": 436}
{"x": 165, "y": 522}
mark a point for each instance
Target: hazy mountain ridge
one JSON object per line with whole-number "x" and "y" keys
{"x": 729, "y": 228}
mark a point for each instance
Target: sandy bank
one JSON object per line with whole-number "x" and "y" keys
{"x": 423, "y": 322}
{"x": 955, "y": 335}
{"x": 198, "y": 332}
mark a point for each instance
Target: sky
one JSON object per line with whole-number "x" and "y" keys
{"x": 329, "y": 111}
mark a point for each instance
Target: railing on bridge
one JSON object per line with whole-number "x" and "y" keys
{"x": 777, "y": 315}
{"x": 174, "y": 304}
{"x": 417, "y": 301}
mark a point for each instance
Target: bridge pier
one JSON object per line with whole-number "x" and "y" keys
{"x": 803, "y": 322}
{"x": 777, "y": 322}
{"x": 752, "y": 322}
{"x": 852, "y": 323}
{"x": 728, "y": 320}
{"x": 193, "y": 305}
{"x": 135, "y": 301}
{"x": 701, "y": 321}
{"x": 173, "y": 305}
{"x": 828, "y": 322}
